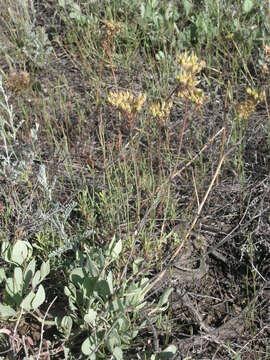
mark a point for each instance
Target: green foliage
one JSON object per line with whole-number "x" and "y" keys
{"x": 8, "y": 127}
{"x": 17, "y": 156}
{"x": 75, "y": 13}
{"x": 158, "y": 22}
{"x": 107, "y": 308}
{"x": 158, "y": 16}
{"x": 36, "y": 47}
{"x": 23, "y": 288}
{"x": 32, "y": 44}
{"x": 167, "y": 353}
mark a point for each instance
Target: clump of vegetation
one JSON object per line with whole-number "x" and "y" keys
{"x": 134, "y": 142}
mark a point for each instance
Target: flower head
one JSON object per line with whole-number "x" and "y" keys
{"x": 195, "y": 95}
{"x": 245, "y": 109}
{"x": 190, "y": 63}
{"x": 18, "y": 81}
{"x": 112, "y": 28}
{"x": 161, "y": 110}
{"x": 255, "y": 96}
{"x": 187, "y": 80}
{"x": 190, "y": 66}
{"x": 125, "y": 102}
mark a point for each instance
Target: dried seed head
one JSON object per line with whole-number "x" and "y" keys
{"x": 18, "y": 81}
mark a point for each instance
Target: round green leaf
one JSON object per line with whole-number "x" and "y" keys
{"x": 27, "y": 301}
{"x": 90, "y": 316}
{"x": 117, "y": 249}
{"x": 36, "y": 279}
{"x": 19, "y": 252}
{"x": 39, "y": 297}
{"x": 18, "y": 278}
{"x": 88, "y": 346}
{"x": 118, "y": 353}
{"x": 2, "y": 275}
{"x": 6, "y": 312}
{"x": 45, "y": 269}
{"x": 248, "y": 6}
{"x": 168, "y": 353}
{"x": 12, "y": 287}
{"x": 77, "y": 276}
{"x": 165, "y": 297}
{"x": 29, "y": 272}
{"x": 66, "y": 323}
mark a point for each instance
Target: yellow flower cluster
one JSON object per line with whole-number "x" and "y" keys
{"x": 187, "y": 80}
{"x": 131, "y": 105}
{"x": 190, "y": 63}
{"x": 161, "y": 111}
{"x": 190, "y": 66}
{"x": 195, "y": 95}
{"x": 255, "y": 96}
{"x": 111, "y": 28}
{"x": 245, "y": 109}
{"x": 126, "y": 102}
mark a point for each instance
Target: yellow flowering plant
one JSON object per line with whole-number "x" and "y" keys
{"x": 190, "y": 67}
{"x": 111, "y": 28}
{"x": 190, "y": 63}
{"x": 127, "y": 104}
{"x": 246, "y": 108}
{"x": 161, "y": 110}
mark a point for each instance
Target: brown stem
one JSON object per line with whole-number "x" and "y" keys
{"x": 182, "y": 132}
